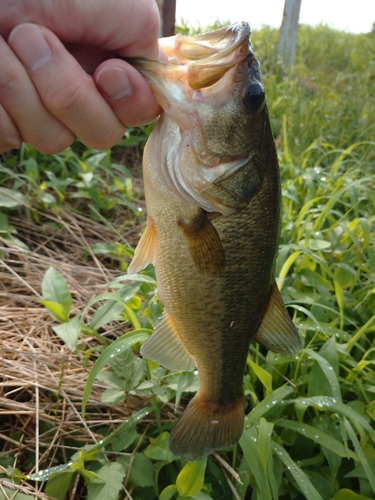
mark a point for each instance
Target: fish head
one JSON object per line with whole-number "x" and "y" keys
{"x": 212, "y": 95}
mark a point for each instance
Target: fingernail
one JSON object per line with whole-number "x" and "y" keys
{"x": 30, "y": 46}
{"x": 114, "y": 82}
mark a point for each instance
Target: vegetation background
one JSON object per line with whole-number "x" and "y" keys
{"x": 83, "y": 416}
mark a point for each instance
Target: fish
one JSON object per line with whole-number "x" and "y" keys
{"x": 212, "y": 190}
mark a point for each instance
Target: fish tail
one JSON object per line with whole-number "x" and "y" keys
{"x": 205, "y": 427}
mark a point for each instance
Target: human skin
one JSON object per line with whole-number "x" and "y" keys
{"x": 59, "y": 78}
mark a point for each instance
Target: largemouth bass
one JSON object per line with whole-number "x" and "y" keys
{"x": 212, "y": 192}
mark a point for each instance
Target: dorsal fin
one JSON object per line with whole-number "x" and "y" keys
{"x": 166, "y": 348}
{"x": 145, "y": 252}
{"x": 277, "y": 331}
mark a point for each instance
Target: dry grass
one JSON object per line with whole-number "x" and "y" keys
{"x": 41, "y": 381}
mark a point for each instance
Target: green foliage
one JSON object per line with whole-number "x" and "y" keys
{"x": 310, "y": 424}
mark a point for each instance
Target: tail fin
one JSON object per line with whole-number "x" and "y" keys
{"x": 205, "y": 427}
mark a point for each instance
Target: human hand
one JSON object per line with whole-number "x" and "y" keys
{"x": 59, "y": 78}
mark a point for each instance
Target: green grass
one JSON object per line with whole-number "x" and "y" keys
{"x": 310, "y": 425}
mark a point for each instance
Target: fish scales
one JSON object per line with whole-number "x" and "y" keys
{"x": 212, "y": 192}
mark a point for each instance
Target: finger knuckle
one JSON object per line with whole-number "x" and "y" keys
{"x": 67, "y": 97}
{"x": 55, "y": 142}
{"x": 10, "y": 80}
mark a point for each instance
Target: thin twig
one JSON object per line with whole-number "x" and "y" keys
{"x": 36, "y": 419}
{"x": 25, "y": 283}
{"x": 228, "y": 467}
{"x": 234, "y": 491}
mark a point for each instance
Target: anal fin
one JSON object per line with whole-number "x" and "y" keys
{"x": 277, "y": 331}
{"x": 204, "y": 244}
{"x": 166, "y": 348}
{"x": 145, "y": 252}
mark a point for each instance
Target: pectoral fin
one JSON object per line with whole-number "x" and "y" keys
{"x": 277, "y": 331}
{"x": 145, "y": 252}
{"x": 166, "y": 348}
{"x": 204, "y": 244}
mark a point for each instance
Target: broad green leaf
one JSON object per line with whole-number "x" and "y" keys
{"x": 200, "y": 496}
{"x": 48, "y": 199}
{"x": 300, "y": 477}
{"x": 263, "y": 376}
{"x": 159, "y": 449}
{"x": 346, "y": 494}
{"x": 123, "y": 342}
{"x": 318, "y": 436}
{"x": 190, "y": 480}
{"x": 89, "y": 475}
{"x": 113, "y": 474}
{"x": 321, "y": 483}
{"x": 102, "y": 248}
{"x": 11, "y": 198}
{"x": 312, "y": 278}
{"x": 69, "y": 332}
{"x": 17, "y": 242}
{"x": 129, "y": 368}
{"x": 112, "y": 396}
{"x": 46, "y": 474}
{"x": 132, "y": 317}
{"x": 13, "y": 495}
{"x": 184, "y": 380}
{"x": 142, "y": 472}
{"x": 56, "y": 310}
{"x": 168, "y": 492}
{"x": 328, "y": 372}
{"x": 345, "y": 275}
{"x": 112, "y": 307}
{"x": 15, "y": 473}
{"x": 5, "y": 227}
{"x": 315, "y": 244}
{"x": 124, "y": 440}
{"x": 55, "y": 289}
{"x": 59, "y": 483}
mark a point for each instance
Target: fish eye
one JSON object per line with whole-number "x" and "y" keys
{"x": 253, "y": 97}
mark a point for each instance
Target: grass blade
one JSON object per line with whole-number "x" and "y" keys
{"x": 366, "y": 466}
{"x": 320, "y": 437}
{"x": 301, "y": 479}
{"x": 250, "y": 451}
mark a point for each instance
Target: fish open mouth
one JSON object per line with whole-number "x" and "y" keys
{"x": 210, "y": 55}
